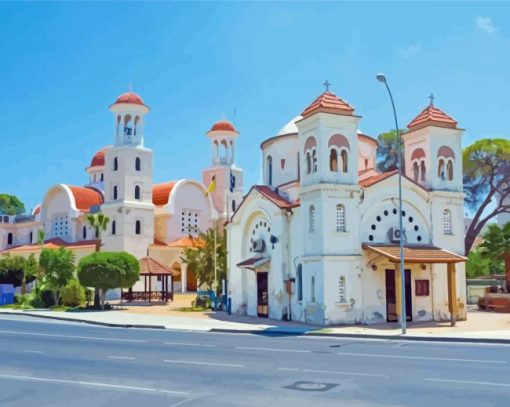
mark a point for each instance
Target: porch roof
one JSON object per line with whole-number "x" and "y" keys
{"x": 253, "y": 262}
{"x": 151, "y": 267}
{"x": 415, "y": 253}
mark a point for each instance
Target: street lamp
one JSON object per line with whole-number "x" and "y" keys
{"x": 403, "y": 320}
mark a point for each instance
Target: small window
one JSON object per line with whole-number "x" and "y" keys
{"x": 102, "y": 177}
{"x": 138, "y": 227}
{"x": 84, "y": 232}
{"x": 299, "y": 282}
{"x": 114, "y": 228}
{"x": 340, "y": 218}
{"x": 333, "y": 160}
{"x": 440, "y": 170}
{"x": 115, "y": 192}
{"x": 416, "y": 171}
{"x": 449, "y": 170}
{"x": 312, "y": 289}
{"x": 31, "y": 237}
{"x": 9, "y": 238}
{"x": 115, "y": 164}
{"x": 345, "y": 158}
{"x": 341, "y": 290}
{"x": 314, "y": 160}
{"x": 138, "y": 164}
{"x": 311, "y": 219}
{"x": 137, "y": 191}
{"x": 447, "y": 222}
{"x": 422, "y": 288}
{"x": 269, "y": 170}
{"x": 308, "y": 163}
{"x": 233, "y": 206}
{"x": 423, "y": 171}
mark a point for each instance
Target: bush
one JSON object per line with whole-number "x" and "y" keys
{"x": 37, "y": 301}
{"x": 73, "y": 294}
{"x": 23, "y": 300}
{"x": 201, "y": 301}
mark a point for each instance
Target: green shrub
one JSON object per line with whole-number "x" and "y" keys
{"x": 23, "y": 301}
{"x": 37, "y": 301}
{"x": 201, "y": 302}
{"x": 73, "y": 294}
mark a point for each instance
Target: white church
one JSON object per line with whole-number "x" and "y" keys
{"x": 152, "y": 221}
{"x": 318, "y": 242}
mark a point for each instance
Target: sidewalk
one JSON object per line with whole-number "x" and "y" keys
{"x": 480, "y": 326}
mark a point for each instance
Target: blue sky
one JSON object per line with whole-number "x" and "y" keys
{"x": 63, "y": 63}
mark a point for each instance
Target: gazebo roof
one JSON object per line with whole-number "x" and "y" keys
{"x": 149, "y": 266}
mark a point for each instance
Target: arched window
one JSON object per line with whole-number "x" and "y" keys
{"x": 233, "y": 205}
{"x": 94, "y": 177}
{"x": 9, "y": 238}
{"x": 447, "y": 222}
{"x": 138, "y": 227}
{"x": 449, "y": 170}
{"x": 416, "y": 171}
{"x": 137, "y": 191}
{"x": 115, "y": 192}
{"x": 308, "y": 163}
{"x": 269, "y": 160}
{"x": 312, "y": 289}
{"x": 423, "y": 171}
{"x": 440, "y": 170}
{"x": 340, "y": 218}
{"x": 314, "y": 160}
{"x": 84, "y": 232}
{"x": 345, "y": 156}
{"x": 115, "y": 164}
{"x": 341, "y": 290}
{"x": 333, "y": 160}
{"x": 31, "y": 237}
{"x": 114, "y": 227}
{"x": 311, "y": 219}
{"x": 299, "y": 282}
{"x": 137, "y": 120}
{"x": 138, "y": 164}
{"x": 128, "y": 127}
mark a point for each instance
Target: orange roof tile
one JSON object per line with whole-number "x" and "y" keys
{"x": 274, "y": 197}
{"x": 415, "y": 253}
{"x": 432, "y": 116}
{"x": 98, "y": 159}
{"x": 161, "y": 193}
{"x": 187, "y": 242}
{"x": 131, "y": 98}
{"x": 149, "y": 266}
{"x": 86, "y": 197}
{"x": 53, "y": 243}
{"x": 223, "y": 125}
{"x": 377, "y": 178}
{"x": 328, "y": 102}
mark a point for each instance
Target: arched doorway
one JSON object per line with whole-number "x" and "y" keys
{"x": 191, "y": 279}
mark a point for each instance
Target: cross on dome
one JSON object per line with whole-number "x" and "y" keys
{"x": 326, "y": 84}
{"x": 432, "y": 97}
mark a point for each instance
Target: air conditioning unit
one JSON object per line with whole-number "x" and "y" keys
{"x": 395, "y": 235}
{"x": 259, "y": 246}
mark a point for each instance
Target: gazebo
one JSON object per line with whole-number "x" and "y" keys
{"x": 152, "y": 268}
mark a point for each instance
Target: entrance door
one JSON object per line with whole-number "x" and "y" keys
{"x": 391, "y": 296}
{"x": 262, "y": 295}
{"x": 191, "y": 279}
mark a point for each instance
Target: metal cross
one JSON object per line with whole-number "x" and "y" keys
{"x": 431, "y": 97}
{"x": 326, "y": 84}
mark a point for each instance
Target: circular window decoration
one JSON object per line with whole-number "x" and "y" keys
{"x": 386, "y": 213}
{"x": 378, "y": 218}
{"x": 416, "y": 227}
{"x": 403, "y": 213}
{"x": 394, "y": 211}
{"x": 371, "y": 238}
{"x": 419, "y": 238}
{"x": 372, "y": 227}
{"x": 411, "y": 219}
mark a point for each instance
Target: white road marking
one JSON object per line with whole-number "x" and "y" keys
{"x": 345, "y": 373}
{"x": 373, "y": 355}
{"x": 190, "y": 362}
{"x": 202, "y": 345}
{"x": 468, "y": 382}
{"x": 34, "y": 351}
{"x": 292, "y": 369}
{"x": 73, "y": 336}
{"x": 122, "y": 357}
{"x": 273, "y": 349}
{"x": 82, "y": 383}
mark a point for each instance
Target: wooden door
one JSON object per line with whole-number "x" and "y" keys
{"x": 262, "y": 295}
{"x": 391, "y": 296}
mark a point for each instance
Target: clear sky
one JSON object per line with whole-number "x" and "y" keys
{"x": 62, "y": 64}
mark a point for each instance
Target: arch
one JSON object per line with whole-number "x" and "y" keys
{"x": 138, "y": 164}
{"x": 416, "y": 171}
{"x": 311, "y": 219}
{"x": 269, "y": 169}
{"x": 441, "y": 169}
{"x": 446, "y": 152}
{"x": 216, "y": 147}
{"x": 340, "y": 218}
{"x": 114, "y": 227}
{"x": 128, "y": 130}
{"x": 224, "y": 149}
{"x": 333, "y": 160}
{"x": 449, "y": 170}
{"x": 344, "y": 155}
{"x": 447, "y": 222}
{"x": 310, "y": 143}
{"x": 84, "y": 232}
{"x": 308, "y": 162}
{"x": 137, "y": 120}
{"x": 9, "y": 238}
{"x": 137, "y": 192}
{"x": 115, "y": 164}
{"x": 299, "y": 282}
{"x": 314, "y": 160}
{"x": 138, "y": 227}
{"x": 339, "y": 141}
{"x": 423, "y": 171}
{"x": 417, "y": 154}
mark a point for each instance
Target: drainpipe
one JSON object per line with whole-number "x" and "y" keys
{"x": 288, "y": 214}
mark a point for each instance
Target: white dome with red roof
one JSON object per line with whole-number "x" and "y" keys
{"x": 130, "y": 98}
{"x": 223, "y": 125}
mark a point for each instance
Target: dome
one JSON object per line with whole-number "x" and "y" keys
{"x": 223, "y": 125}
{"x": 290, "y": 127}
{"x": 98, "y": 159}
{"x": 131, "y": 98}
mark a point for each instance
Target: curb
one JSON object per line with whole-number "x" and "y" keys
{"x": 276, "y": 332}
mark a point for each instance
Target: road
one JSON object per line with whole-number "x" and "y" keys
{"x": 50, "y": 363}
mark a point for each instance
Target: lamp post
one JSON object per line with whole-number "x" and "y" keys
{"x": 403, "y": 320}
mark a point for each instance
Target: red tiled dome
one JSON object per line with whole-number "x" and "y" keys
{"x": 130, "y": 97}
{"x": 432, "y": 116}
{"x": 98, "y": 159}
{"x": 161, "y": 193}
{"x": 223, "y": 125}
{"x": 328, "y": 102}
{"x": 84, "y": 198}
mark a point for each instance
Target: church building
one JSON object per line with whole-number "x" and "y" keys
{"x": 318, "y": 242}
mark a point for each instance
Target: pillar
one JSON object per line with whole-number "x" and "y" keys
{"x": 398, "y": 291}
{"x": 452, "y": 292}
{"x": 184, "y": 277}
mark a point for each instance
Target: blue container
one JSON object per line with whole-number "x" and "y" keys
{"x": 6, "y": 294}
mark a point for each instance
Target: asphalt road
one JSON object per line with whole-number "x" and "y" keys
{"x": 49, "y": 363}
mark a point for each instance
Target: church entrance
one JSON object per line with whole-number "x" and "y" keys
{"x": 191, "y": 279}
{"x": 391, "y": 296}
{"x": 262, "y": 295}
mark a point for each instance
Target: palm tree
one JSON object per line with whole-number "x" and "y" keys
{"x": 99, "y": 221}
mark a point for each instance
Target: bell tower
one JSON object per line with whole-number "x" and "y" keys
{"x": 128, "y": 180}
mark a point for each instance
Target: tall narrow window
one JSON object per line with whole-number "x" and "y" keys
{"x": 269, "y": 170}
{"x": 423, "y": 171}
{"x": 333, "y": 160}
{"x": 31, "y": 237}
{"x": 115, "y": 192}
{"x": 138, "y": 164}
{"x": 137, "y": 191}
{"x": 449, "y": 170}
{"x": 114, "y": 227}
{"x": 115, "y": 164}
{"x": 416, "y": 171}
{"x": 308, "y": 163}
{"x": 138, "y": 227}
{"x": 340, "y": 218}
{"x": 299, "y": 282}
{"x": 9, "y": 238}
{"x": 440, "y": 170}
{"x": 102, "y": 177}
{"x": 84, "y": 232}
{"x": 312, "y": 289}
{"x": 341, "y": 289}
{"x": 345, "y": 158}
{"x": 447, "y": 222}
{"x": 311, "y": 219}
{"x": 314, "y": 160}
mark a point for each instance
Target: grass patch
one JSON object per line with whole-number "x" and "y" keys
{"x": 192, "y": 309}
{"x": 16, "y": 306}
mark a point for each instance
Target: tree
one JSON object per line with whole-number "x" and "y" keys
{"x": 478, "y": 264}
{"x": 486, "y": 183}
{"x": 16, "y": 270}
{"x": 496, "y": 247}
{"x": 11, "y": 205}
{"x": 201, "y": 257}
{"x": 73, "y": 294}
{"x": 99, "y": 222}
{"x": 107, "y": 270}
{"x": 58, "y": 266}
{"x": 387, "y": 152}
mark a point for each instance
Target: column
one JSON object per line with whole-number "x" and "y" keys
{"x": 452, "y": 292}
{"x": 184, "y": 277}
{"x": 398, "y": 290}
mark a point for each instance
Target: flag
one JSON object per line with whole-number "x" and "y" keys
{"x": 212, "y": 185}
{"x": 232, "y": 181}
